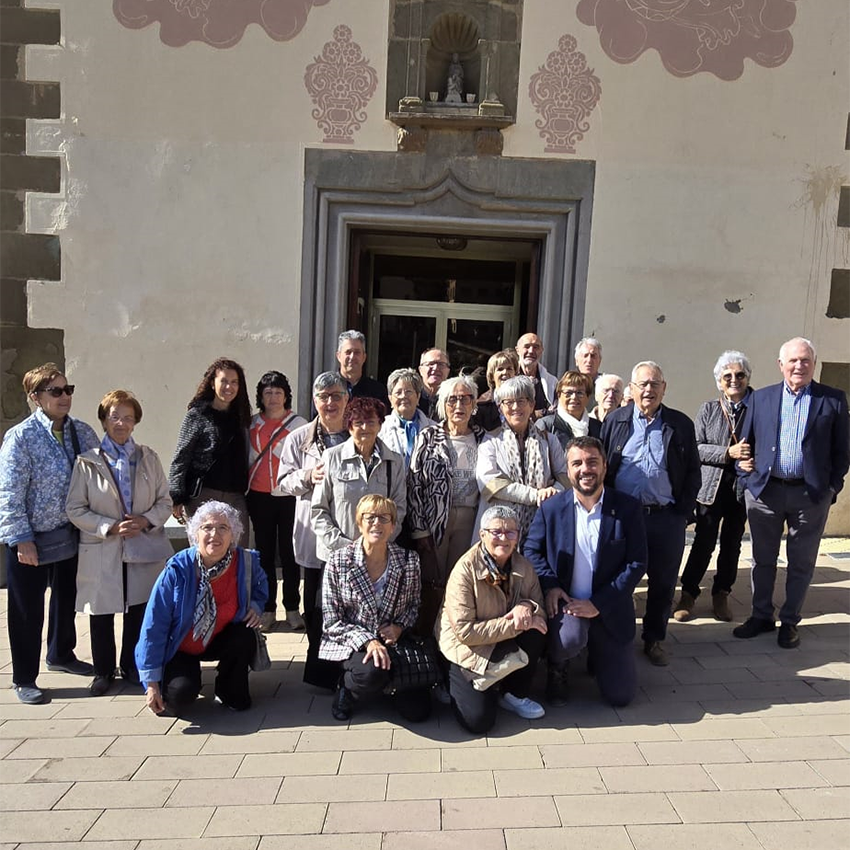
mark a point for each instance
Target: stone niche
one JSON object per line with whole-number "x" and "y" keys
{"x": 431, "y": 42}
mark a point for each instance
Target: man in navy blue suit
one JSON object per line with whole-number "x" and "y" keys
{"x": 800, "y": 437}
{"x": 588, "y": 547}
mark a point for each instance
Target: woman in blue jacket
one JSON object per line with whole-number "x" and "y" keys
{"x": 200, "y": 610}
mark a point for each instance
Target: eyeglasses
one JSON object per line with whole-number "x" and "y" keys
{"x": 58, "y": 392}
{"x": 455, "y": 400}
{"x": 612, "y": 391}
{"x": 738, "y": 376}
{"x": 576, "y": 393}
{"x": 365, "y": 423}
{"x": 515, "y": 402}
{"x": 501, "y": 533}
{"x": 433, "y": 364}
{"x": 381, "y": 519}
{"x": 324, "y": 398}
{"x": 117, "y": 420}
{"x": 403, "y": 393}
{"x": 648, "y": 385}
{"x": 221, "y": 528}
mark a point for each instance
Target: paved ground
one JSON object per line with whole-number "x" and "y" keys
{"x": 738, "y": 744}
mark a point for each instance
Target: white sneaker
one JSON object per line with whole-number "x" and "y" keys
{"x": 295, "y": 621}
{"x": 527, "y": 708}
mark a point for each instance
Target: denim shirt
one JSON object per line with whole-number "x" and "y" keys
{"x": 35, "y": 473}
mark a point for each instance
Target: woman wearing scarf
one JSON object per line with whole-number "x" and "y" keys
{"x": 201, "y": 609}
{"x": 520, "y": 466}
{"x": 493, "y": 611}
{"x": 570, "y": 418}
{"x": 406, "y": 421}
{"x": 119, "y": 500}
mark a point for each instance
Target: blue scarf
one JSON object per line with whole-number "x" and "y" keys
{"x": 120, "y": 459}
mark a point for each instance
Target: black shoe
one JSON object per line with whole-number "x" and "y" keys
{"x": 788, "y": 637}
{"x": 753, "y": 627}
{"x": 656, "y": 653}
{"x": 557, "y": 685}
{"x": 100, "y": 685}
{"x": 343, "y": 705}
{"x": 74, "y": 666}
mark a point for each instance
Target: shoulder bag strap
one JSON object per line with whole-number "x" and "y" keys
{"x": 75, "y": 440}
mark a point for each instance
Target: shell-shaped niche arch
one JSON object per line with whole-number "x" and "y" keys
{"x": 453, "y": 32}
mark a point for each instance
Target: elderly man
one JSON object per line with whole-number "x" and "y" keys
{"x": 800, "y": 452}
{"x": 588, "y": 548}
{"x": 652, "y": 455}
{"x": 351, "y": 356}
{"x": 529, "y": 349}
{"x": 609, "y": 395}
{"x": 434, "y": 367}
{"x": 588, "y": 356}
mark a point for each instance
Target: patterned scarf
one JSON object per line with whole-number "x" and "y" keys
{"x": 119, "y": 458}
{"x": 496, "y": 575}
{"x": 525, "y": 467}
{"x": 203, "y": 621}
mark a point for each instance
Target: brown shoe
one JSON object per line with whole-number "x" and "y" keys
{"x": 720, "y": 605}
{"x": 656, "y": 653}
{"x": 684, "y": 607}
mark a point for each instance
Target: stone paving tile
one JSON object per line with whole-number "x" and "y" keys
{"x": 693, "y": 836}
{"x": 48, "y": 826}
{"x": 684, "y": 693}
{"x": 795, "y": 774}
{"x": 327, "y": 789}
{"x": 189, "y": 767}
{"x": 691, "y": 752}
{"x": 249, "y": 842}
{"x": 19, "y": 770}
{"x": 446, "y": 786}
{"x": 101, "y": 707}
{"x": 18, "y": 711}
{"x": 61, "y": 748}
{"x": 499, "y": 813}
{"x": 729, "y": 662}
{"x": 485, "y": 839}
{"x": 769, "y": 691}
{"x": 223, "y": 792}
{"x": 492, "y": 758}
{"x": 151, "y": 824}
{"x": 714, "y": 729}
{"x": 745, "y": 806}
{"x": 390, "y": 816}
{"x": 752, "y": 708}
{"x": 32, "y": 797}
{"x": 267, "y": 742}
{"x": 648, "y": 713}
{"x": 290, "y": 764}
{"x": 157, "y": 745}
{"x": 349, "y": 841}
{"x": 842, "y": 740}
{"x": 614, "y": 809}
{"x": 452, "y": 736}
{"x": 130, "y": 844}
{"x": 344, "y": 739}
{"x": 559, "y": 780}
{"x": 572, "y": 837}
{"x": 88, "y": 769}
{"x": 629, "y": 733}
{"x": 835, "y": 772}
{"x": 146, "y": 724}
{"x": 590, "y": 755}
{"x": 816, "y": 725}
{"x": 824, "y": 705}
{"x": 117, "y": 795}
{"x": 7, "y": 744}
{"x": 792, "y": 749}
{"x": 392, "y": 761}
{"x": 818, "y": 803}
{"x": 279, "y": 819}
{"x": 685, "y": 777}
{"x": 47, "y": 728}
{"x": 809, "y": 835}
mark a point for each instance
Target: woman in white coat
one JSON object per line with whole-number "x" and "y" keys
{"x": 119, "y": 500}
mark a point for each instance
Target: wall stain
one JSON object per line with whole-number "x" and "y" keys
{"x": 661, "y": 319}
{"x": 733, "y": 306}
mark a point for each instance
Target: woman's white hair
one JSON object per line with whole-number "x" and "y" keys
{"x": 502, "y": 512}
{"x": 447, "y": 388}
{"x": 214, "y": 508}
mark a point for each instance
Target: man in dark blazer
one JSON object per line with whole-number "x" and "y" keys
{"x": 653, "y": 456}
{"x": 800, "y": 437}
{"x": 588, "y": 547}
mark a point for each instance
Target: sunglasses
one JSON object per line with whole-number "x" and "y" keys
{"x": 58, "y": 392}
{"x": 739, "y": 376}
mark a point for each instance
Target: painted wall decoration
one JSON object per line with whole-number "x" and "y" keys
{"x": 564, "y": 91}
{"x": 694, "y": 35}
{"x": 219, "y": 23}
{"x": 340, "y": 83}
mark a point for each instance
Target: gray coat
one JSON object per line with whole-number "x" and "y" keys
{"x": 713, "y": 440}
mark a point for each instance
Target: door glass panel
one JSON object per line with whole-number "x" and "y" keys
{"x": 402, "y": 341}
{"x": 470, "y": 344}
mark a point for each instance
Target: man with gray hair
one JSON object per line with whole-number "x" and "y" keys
{"x": 351, "y": 356}
{"x": 799, "y": 436}
{"x": 609, "y": 395}
{"x": 588, "y": 356}
{"x": 652, "y": 455}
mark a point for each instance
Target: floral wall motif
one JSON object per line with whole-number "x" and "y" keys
{"x": 219, "y": 23}
{"x": 694, "y": 35}
{"x": 340, "y": 83}
{"x": 564, "y": 91}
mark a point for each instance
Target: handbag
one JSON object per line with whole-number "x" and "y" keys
{"x": 58, "y": 544}
{"x": 507, "y": 657}
{"x": 260, "y": 660}
{"x": 413, "y": 664}
{"x": 148, "y": 547}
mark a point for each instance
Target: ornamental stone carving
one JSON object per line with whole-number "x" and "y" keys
{"x": 340, "y": 83}
{"x": 564, "y": 91}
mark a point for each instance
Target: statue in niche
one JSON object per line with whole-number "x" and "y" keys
{"x": 454, "y": 83}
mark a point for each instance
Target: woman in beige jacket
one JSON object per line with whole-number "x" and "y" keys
{"x": 119, "y": 500}
{"x": 493, "y": 611}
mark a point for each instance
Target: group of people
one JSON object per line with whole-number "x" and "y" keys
{"x": 511, "y": 524}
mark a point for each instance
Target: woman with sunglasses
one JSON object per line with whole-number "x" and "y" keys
{"x": 36, "y": 461}
{"x": 718, "y": 428}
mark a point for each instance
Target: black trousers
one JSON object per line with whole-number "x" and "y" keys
{"x": 317, "y": 671}
{"x": 233, "y": 648}
{"x": 476, "y": 710}
{"x": 366, "y": 681}
{"x": 728, "y": 516}
{"x": 665, "y": 538}
{"x": 25, "y": 615}
{"x": 102, "y": 632}
{"x": 273, "y": 518}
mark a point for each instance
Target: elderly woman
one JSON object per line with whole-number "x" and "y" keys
{"x": 501, "y": 366}
{"x": 203, "y": 607}
{"x": 493, "y": 613}
{"x": 718, "y": 428}
{"x": 571, "y": 418}
{"x": 442, "y": 491}
{"x": 520, "y": 466}
{"x": 119, "y": 500}
{"x": 609, "y": 395}
{"x": 360, "y": 466}
{"x": 272, "y": 514}
{"x": 404, "y": 423}
{"x": 211, "y": 458}
{"x": 36, "y": 460}
{"x": 370, "y": 595}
